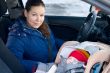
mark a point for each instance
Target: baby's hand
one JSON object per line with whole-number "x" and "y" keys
{"x": 39, "y": 71}
{"x": 72, "y": 60}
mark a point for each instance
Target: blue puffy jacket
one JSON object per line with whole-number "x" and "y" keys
{"x": 30, "y": 46}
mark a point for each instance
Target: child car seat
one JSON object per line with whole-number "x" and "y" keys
{"x": 97, "y": 58}
{"x": 107, "y": 69}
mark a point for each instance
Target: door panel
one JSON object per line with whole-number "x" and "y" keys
{"x": 65, "y": 27}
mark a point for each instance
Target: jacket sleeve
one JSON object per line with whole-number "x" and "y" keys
{"x": 16, "y": 45}
{"x": 59, "y": 42}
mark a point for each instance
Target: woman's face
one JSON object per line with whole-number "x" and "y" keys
{"x": 35, "y": 16}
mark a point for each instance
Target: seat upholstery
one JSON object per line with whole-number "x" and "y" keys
{"x": 3, "y": 7}
{"x": 10, "y": 60}
{"x": 107, "y": 69}
{"x": 15, "y": 8}
{"x": 4, "y": 21}
{"x": 4, "y": 68}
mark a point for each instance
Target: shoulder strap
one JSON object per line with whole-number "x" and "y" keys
{"x": 49, "y": 49}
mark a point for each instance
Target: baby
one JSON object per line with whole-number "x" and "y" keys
{"x": 78, "y": 55}
{"x": 76, "y": 61}
{"x": 75, "y": 57}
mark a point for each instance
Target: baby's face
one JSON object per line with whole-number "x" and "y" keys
{"x": 72, "y": 60}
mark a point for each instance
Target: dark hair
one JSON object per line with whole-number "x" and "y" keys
{"x": 31, "y": 3}
{"x": 44, "y": 27}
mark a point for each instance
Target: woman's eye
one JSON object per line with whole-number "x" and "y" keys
{"x": 41, "y": 15}
{"x": 33, "y": 14}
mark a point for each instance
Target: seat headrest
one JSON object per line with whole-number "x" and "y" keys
{"x": 3, "y": 7}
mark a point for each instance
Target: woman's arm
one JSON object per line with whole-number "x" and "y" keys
{"x": 16, "y": 46}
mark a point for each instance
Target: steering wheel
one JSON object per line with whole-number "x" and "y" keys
{"x": 87, "y": 27}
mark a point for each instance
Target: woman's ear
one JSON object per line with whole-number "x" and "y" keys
{"x": 25, "y": 13}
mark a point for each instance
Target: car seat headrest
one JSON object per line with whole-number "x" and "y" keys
{"x": 3, "y": 7}
{"x": 15, "y": 8}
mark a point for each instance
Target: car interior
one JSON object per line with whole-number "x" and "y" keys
{"x": 67, "y": 28}
{"x": 8, "y": 62}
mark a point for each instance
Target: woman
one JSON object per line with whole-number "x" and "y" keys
{"x": 30, "y": 38}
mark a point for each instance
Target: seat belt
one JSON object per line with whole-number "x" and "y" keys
{"x": 49, "y": 49}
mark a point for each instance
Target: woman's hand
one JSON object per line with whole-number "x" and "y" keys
{"x": 43, "y": 67}
{"x": 39, "y": 71}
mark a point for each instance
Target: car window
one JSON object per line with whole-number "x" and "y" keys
{"x": 66, "y": 8}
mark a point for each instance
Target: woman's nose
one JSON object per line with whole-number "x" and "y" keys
{"x": 38, "y": 18}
